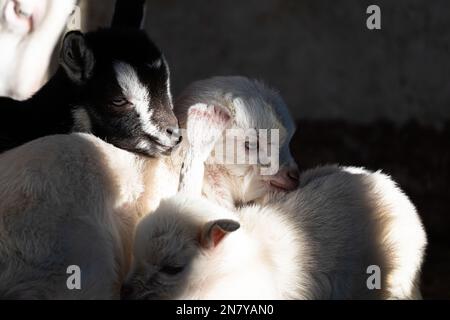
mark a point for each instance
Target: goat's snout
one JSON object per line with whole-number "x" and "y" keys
{"x": 286, "y": 179}
{"x": 174, "y": 134}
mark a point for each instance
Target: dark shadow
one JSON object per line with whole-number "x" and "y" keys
{"x": 416, "y": 156}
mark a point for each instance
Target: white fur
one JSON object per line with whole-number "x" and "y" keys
{"x": 204, "y": 127}
{"x": 314, "y": 243}
{"x": 79, "y": 191}
{"x": 72, "y": 199}
{"x": 26, "y": 52}
{"x": 252, "y": 106}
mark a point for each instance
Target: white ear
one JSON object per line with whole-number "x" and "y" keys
{"x": 205, "y": 125}
{"x": 215, "y": 231}
{"x": 76, "y": 57}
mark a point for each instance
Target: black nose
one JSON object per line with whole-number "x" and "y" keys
{"x": 173, "y": 131}
{"x": 175, "y": 134}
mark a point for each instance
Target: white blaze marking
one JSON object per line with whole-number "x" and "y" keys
{"x": 169, "y": 94}
{"x": 136, "y": 92}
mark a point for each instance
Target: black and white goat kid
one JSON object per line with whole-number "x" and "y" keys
{"x": 111, "y": 83}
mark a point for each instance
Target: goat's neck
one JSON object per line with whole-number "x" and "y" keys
{"x": 227, "y": 189}
{"x": 59, "y": 94}
{"x": 48, "y": 112}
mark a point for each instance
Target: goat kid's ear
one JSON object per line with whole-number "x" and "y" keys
{"x": 214, "y": 232}
{"x": 76, "y": 57}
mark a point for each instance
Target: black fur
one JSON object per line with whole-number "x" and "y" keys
{"x": 86, "y": 79}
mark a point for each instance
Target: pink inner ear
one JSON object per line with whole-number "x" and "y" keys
{"x": 217, "y": 235}
{"x": 212, "y": 239}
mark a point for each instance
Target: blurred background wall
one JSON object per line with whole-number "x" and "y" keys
{"x": 318, "y": 54}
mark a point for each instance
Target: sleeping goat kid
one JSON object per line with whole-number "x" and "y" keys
{"x": 322, "y": 241}
{"x": 111, "y": 83}
{"x": 255, "y": 109}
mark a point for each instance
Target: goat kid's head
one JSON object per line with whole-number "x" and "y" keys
{"x": 177, "y": 247}
{"x": 123, "y": 89}
{"x": 256, "y": 146}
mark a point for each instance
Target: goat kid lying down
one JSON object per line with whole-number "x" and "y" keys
{"x": 260, "y": 125}
{"x": 317, "y": 242}
{"x": 75, "y": 199}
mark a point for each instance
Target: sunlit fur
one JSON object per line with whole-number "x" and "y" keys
{"x": 77, "y": 191}
{"x": 72, "y": 199}
{"x": 313, "y": 243}
{"x": 253, "y": 105}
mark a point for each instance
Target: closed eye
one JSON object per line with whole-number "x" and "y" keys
{"x": 171, "y": 270}
{"x": 120, "y": 102}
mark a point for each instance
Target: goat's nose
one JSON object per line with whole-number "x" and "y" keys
{"x": 286, "y": 179}
{"x": 173, "y": 131}
{"x": 291, "y": 179}
{"x": 174, "y": 134}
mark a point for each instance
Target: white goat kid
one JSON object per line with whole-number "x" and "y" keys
{"x": 71, "y": 200}
{"x": 315, "y": 243}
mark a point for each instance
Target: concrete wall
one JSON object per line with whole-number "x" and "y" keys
{"x": 318, "y": 53}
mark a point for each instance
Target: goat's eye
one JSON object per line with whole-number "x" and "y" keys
{"x": 120, "y": 102}
{"x": 251, "y": 146}
{"x": 171, "y": 270}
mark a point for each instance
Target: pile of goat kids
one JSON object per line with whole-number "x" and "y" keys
{"x": 99, "y": 179}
